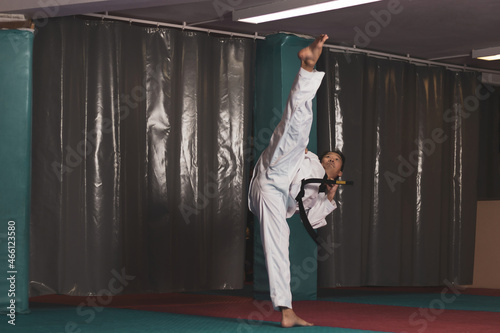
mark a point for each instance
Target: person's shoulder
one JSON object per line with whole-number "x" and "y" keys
{"x": 316, "y": 170}
{"x": 313, "y": 74}
{"x": 312, "y": 155}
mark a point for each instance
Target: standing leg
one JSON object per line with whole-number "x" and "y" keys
{"x": 275, "y": 234}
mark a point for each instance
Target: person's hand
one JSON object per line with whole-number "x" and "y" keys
{"x": 330, "y": 191}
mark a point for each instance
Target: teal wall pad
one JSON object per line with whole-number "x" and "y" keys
{"x": 15, "y": 177}
{"x": 276, "y": 68}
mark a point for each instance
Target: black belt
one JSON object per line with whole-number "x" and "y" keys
{"x": 322, "y": 188}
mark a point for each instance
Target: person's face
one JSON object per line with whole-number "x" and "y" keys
{"x": 332, "y": 163}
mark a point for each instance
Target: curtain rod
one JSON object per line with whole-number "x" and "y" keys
{"x": 331, "y": 47}
{"x": 171, "y": 25}
{"x": 411, "y": 60}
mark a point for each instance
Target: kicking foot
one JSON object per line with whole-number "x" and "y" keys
{"x": 309, "y": 55}
{"x": 290, "y": 319}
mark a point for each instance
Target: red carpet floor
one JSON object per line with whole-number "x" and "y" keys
{"x": 384, "y": 318}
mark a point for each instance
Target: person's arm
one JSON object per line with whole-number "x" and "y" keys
{"x": 331, "y": 190}
{"x": 320, "y": 210}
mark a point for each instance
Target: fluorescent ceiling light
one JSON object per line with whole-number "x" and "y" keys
{"x": 12, "y": 17}
{"x": 291, "y": 8}
{"x": 489, "y": 58}
{"x": 492, "y": 53}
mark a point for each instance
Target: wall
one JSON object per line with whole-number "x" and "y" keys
{"x": 487, "y": 255}
{"x": 15, "y": 176}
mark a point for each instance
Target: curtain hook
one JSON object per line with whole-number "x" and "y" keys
{"x": 255, "y": 36}
{"x": 183, "y": 26}
{"x": 129, "y": 22}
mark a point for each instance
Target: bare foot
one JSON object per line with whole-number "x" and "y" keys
{"x": 290, "y": 319}
{"x": 310, "y": 54}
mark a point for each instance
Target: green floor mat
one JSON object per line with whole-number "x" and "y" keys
{"x": 52, "y": 319}
{"x": 429, "y": 300}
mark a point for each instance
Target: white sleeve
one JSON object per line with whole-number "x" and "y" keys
{"x": 320, "y": 210}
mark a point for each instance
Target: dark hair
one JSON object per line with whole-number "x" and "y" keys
{"x": 336, "y": 151}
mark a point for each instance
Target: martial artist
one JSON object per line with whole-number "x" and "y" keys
{"x": 277, "y": 178}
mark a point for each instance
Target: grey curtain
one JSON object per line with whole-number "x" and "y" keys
{"x": 139, "y": 159}
{"x": 489, "y": 147}
{"x": 410, "y": 136}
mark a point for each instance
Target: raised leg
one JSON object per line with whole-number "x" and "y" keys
{"x": 310, "y": 54}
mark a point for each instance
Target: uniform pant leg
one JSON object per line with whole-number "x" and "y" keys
{"x": 275, "y": 234}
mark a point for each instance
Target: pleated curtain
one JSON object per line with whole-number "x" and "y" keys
{"x": 140, "y": 158}
{"x": 410, "y": 136}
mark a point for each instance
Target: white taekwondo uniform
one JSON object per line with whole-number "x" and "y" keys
{"x": 276, "y": 182}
